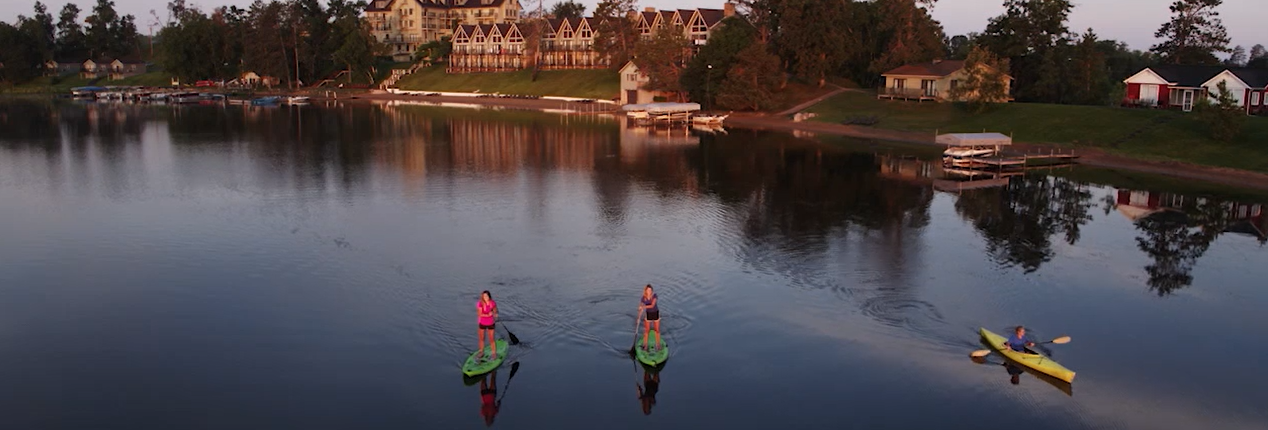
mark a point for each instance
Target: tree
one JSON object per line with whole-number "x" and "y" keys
{"x": 709, "y": 67}
{"x": 1258, "y": 57}
{"x": 18, "y": 54}
{"x": 1194, "y": 34}
{"x": 908, "y": 32}
{"x": 359, "y": 50}
{"x": 1033, "y": 35}
{"x": 110, "y": 35}
{"x": 753, "y": 79}
{"x": 1237, "y": 58}
{"x": 264, "y": 50}
{"x": 763, "y": 15}
{"x": 568, "y": 9}
{"x": 958, "y": 47}
{"x": 984, "y": 83}
{"x": 615, "y": 34}
{"x": 42, "y": 31}
{"x": 1089, "y": 77}
{"x": 1223, "y": 117}
{"x": 812, "y": 37}
{"x": 70, "y": 35}
{"x": 196, "y": 46}
{"x": 663, "y": 58}
{"x": 435, "y": 51}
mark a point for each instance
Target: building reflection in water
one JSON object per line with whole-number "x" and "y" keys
{"x": 787, "y": 202}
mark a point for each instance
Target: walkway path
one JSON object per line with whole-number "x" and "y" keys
{"x": 814, "y": 101}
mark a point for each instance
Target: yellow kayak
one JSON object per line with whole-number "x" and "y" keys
{"x": 1039, "y": 362}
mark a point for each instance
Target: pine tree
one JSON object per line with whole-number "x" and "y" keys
{"x": 70, "y": 35}
{"x": 615, "y": 34}
{"x": 1194, "y": 34}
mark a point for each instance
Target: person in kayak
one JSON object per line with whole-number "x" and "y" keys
{"x": 648, "y": 304}
{"x": 488, "y": 397}
{"x": 647, "y": 391}
{"x": 1017, "y": 342}
{"x": 487, "y": 309}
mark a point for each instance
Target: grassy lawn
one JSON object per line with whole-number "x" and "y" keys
{"x": 151, "y": 79}
{"x": 1140, "y": 133}
{"x": 596, "y": 84}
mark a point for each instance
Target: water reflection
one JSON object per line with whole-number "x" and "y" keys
{"x": 648, "y": 388}
{"x": 789, "y": 202}
{"x": 1176, "y": 230}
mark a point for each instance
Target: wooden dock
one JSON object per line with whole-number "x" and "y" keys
{"x": 1020, "y": 161}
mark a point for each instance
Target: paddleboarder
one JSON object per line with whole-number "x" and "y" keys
{"x": 1017, "y": 342}
{"x": 647, "y": 391}
{"x": 488, "y": 397}
{"x": 488, "y": 313}
{"x": 652, "y": 321}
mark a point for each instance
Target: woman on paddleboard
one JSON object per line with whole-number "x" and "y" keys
{"x": 487, "y": 309}
{"x": 652, "y": 322}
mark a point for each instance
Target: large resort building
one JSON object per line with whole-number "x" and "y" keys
{"x": 404, "y": 25}
{"x": 566, "y": 43}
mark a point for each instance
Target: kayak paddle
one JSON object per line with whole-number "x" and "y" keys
{"x": 638, "y": 318}
{"x": 514, "y": 340}
{"x": 984, "y": 352}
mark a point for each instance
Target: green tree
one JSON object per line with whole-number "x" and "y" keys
{"x": 196, "y": 46}
{"x": 814, "y": 37}
{"x": 709, "y": 67}
{"x": 752, "y": 80}
{"x": 42, "y": 31}
{"x": 1033, "y": 35}
{"x": 568, "y": 9}
{"x": 663, "y": 58}
{"x": 1258, "y": 57}
{"x": 1089, "y": 78}
{"x": 435, "y": 51}
{"x": 264, "y": 48}
{"x": 985, "y": 82}
{"x": 763, "y": 15}
{"x": 615, "y": 35}
{"x": 1194, "y": 34}
{"x": 1223, "y": 117}
{"x": 70, "y": 35}
{"x": 907, "y": 32}
{"x": 18, "y": 54}
{"x": 958, "y": 47}
{"x": 359, "y": 50}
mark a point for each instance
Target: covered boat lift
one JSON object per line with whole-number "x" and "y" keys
{"x": 670, "y": 112}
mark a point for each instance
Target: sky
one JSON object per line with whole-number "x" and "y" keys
{"x": 1131, "y": 21}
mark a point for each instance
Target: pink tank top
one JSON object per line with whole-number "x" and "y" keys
{"x": 486, "y": 309}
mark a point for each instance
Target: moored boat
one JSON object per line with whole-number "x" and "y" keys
{"x": 1039, "y": 362}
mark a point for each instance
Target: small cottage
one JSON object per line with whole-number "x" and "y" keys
{"x": 927, "y": 81}
{"x": 634, "y": 87}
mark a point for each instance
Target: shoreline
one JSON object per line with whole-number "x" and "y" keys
{"x": 1093, "y": 157}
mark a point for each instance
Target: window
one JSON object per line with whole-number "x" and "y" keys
{"x": 900, "y": 83}
{"x": 1254, "y": 99}
{"x": 698, "y": 26}
{"x": 955, "y": 83}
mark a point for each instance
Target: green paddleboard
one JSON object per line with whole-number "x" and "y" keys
{"x": 474, "y": 366}
{"x": 652, "y": 357}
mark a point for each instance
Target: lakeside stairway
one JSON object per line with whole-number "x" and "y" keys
{"x": 397, "y": 74}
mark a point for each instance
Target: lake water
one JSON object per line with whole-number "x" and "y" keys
{"x": 317, "y": 267}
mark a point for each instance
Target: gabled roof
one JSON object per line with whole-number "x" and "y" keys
{"x": 932, "y": 68}
{"x": 387, "y": 6}
{"x": 649, "y": 18}
{"x": 712, "y": 17}
{"x": 1255, "y": 78}
{"x": 1186, "y": 76}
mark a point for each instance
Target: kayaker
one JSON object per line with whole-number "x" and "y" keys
{"x": 652, "y": 321}
{"x": 488, "y": 312}
{"x": 1018, "y": 340}
{"x": 647, "y": 391}
{"x": 488, "y": 397}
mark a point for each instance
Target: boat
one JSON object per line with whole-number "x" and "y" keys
{"x": 86, "y": 92}
{"x": 298, "y": 100}
{"x": 708, "y": 119}
{"x": 266, "y": 101}
{"x": 963, "y": 148}
{"x": 1039, "y": 362}
{"x": 669, "y": 112}
{"x": 185, "y": 97}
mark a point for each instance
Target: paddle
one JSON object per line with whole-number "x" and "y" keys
{"x": 514, "y": 340}
{"x": 515, "y": 367}
{"x": 638, "y": 318}
{"x": 984, "y": 352}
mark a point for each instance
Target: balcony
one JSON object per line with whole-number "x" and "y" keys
{"x": 920, "y": 94}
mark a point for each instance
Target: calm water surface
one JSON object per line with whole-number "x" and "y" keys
{"x": 317, "y": 267}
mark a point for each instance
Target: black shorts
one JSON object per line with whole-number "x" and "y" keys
{"x": 486, "y": 327}
{"x": 653, "y": 315}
